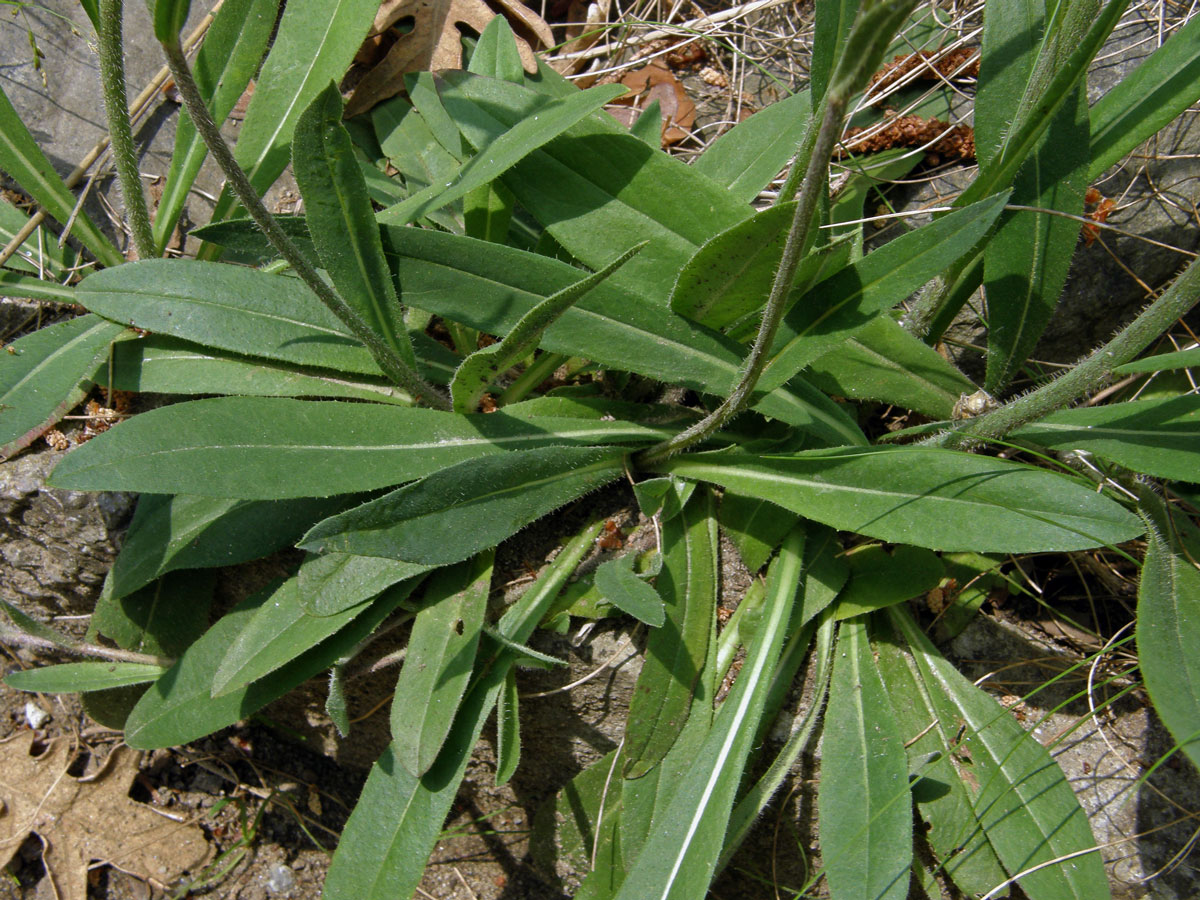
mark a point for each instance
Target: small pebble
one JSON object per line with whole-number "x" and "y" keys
{"x": 35, "y": 716}
{"x": 281, "y": 880}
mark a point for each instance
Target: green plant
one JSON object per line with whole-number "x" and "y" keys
{"x": 523, "y": 211}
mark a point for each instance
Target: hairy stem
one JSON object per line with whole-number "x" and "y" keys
{"x": 816, "y": 147}
{"x": 1091, "y": 374}
{"x": 116, "y": 105}
{"x": 399, "y": 372}
{"x": 13, "y": 636}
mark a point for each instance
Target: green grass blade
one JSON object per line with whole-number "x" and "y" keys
{"x": 40, "y": 378}
{"x": 263, "y": 448}
{"x": 466, "y": 508}
{"x": 1181, "y": 359}
{"x": 864, "y": 804}
{"x": 23, "y": 161}
{"x": 232, "y": 49}
{"x": 915, "y": 495}
{"x": 340, "y": 221}
{"x": 439, "y": 662}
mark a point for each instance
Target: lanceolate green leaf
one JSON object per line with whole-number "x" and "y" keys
{"x": 685, "y": 840}
{"x": 593, "y": 210}
{"x": 460, "y": 510}
{"x": 232, "y": 49}
{"x": 228, "y": 307}
{"x": 1181, "y": 359}
{"x": 340, "y": 222}
{"x": 23, "y": 161}
{"x": 879, "y": 578}
{"x": 490, "y": 287}
{"x": 179, "y": 707}
{"x": 263, "y": 448}
{"x": 1147, "y": 99}
{"x": 940, "y": 791}
{"x": 1168, "y": 632}
{"x": 336, "y": 581}
{"x": 1026, "y": 259}
{"x": 620, "y": 586}
{"x": 314, "y": 44}
{"x": 882, "y": 361}
{"x": 833, "y": 309}
{"x": 1157, "y": 437}
{"x": 747, "y": 158}
{"x": 508, "y": 726}
{"x": 279, "y": 632}
{"x": 483, "y": 366}
{"x": 439, "y": 661}
{"x": 1023, "y": 802}
{"x": 865, "y": 809}
{"x": 189, "y": 532}
{"x": 39, "y": 377}
{"x": 166, "y": 365}
{"x": 755, "y": 526}
{"x": 496, "y": 156}
{"x": 392, "y": 831}
{"x": 675, "y": 652}
{"x": 933, "y": 498}
{"x": 72, "y": 678}
{"x": 165, "y": 617}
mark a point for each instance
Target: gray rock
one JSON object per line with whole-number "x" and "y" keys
{"x": 55, "y": 546}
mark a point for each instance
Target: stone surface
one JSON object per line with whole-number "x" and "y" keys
{"x": 55, "y": 546}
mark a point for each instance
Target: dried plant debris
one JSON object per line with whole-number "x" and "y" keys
{"x": 650, "y": 83}
{"x": 82, "y": 820}
{"x": 927, "y": 65}
{"x": 941, "y": 141}
{"x": 433, "y": 43}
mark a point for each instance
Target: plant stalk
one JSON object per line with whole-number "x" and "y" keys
{"x": 15, "y": 636}
{"x": 116, "y": 106}
{"x": 399, "y": 372}
{"x": 1089, "y": 375}
{"x": 817, "y": 148}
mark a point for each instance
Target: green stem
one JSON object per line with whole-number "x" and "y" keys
{"x": 116, "y": 105}
{"x": 537, "y": 372}
{"x": 816, "y": 147}
{"x": 1091, "y": 374}
{"x": 399, "y": 372}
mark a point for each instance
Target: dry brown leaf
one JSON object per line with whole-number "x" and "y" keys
{"x": 650, "y": 83}
{"x": 584, "y": 18}
{"x": 435, "y": 42}
{"x": 84, "y": 821}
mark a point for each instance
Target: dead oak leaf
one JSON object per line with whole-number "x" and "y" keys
{"x": 435, "y": 42}
{"x": 84, "y": 820}
{"x": 650, "y": 83}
